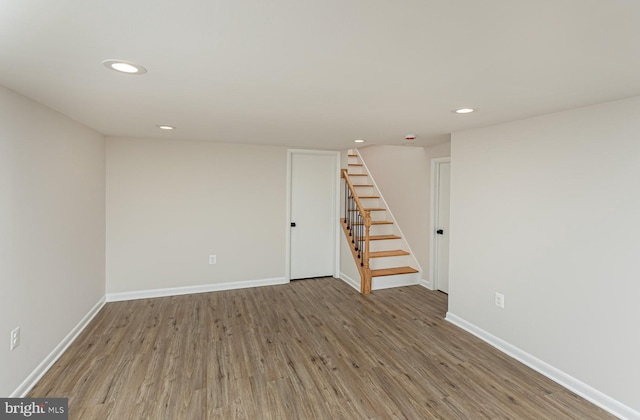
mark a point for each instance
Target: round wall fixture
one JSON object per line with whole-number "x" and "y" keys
{"x": 464, "y": 110}
{"x": 124, "y": 66}
{"x": 165, "y": 127}
{"x": 410, "y": 137}
{"x": 358, "y": 141}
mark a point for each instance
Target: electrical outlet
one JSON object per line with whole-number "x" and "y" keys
{"x": 500, "y": 300}
{"x": 212, "y": 259}
{"x": 15, "y": 338}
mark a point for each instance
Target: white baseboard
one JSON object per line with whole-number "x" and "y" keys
{"x": 351, "y": 282}
{"x": 425, "y": 283}
{"x": 187, "y": 290}
{"x": 48, "y": 361}
{"x": 585, "y": 391}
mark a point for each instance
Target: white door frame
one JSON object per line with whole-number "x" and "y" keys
{"x": 336, "y": 209}
{"x": 435, "y": 181}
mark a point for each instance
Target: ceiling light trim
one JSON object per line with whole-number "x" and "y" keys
{"x": 122, "y": 66}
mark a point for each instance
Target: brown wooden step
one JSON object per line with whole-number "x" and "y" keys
{"x": 355, "y": 164}
{"x": 353, "y": 155}
{"x": 368, "y": 196}
{"x": 375, "y": 222}
{"x": 363, "y": 185}
{"x": 392, "y": 271}
{"x": 358, "y": 174}
{"x": 383, "y": 237}
{"x": 382, "y": 254}
{"x": 376, "y": 209}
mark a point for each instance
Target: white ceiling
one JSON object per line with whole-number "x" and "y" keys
{"x": 317, "y": 73}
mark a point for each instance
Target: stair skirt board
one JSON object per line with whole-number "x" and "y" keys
{"x": 355, "y": 283}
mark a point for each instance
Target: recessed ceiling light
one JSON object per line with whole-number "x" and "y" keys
{"x": 124, "y": 66}
{"x": 165, "y": 127}
{"x": 359, "y": 141}
{"x": 464, "y": 110}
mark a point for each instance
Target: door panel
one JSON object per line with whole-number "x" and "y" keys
{"x": 442, "y": 225}
{"x": 313, "y": 179}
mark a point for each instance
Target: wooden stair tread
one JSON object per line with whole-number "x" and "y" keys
{"x": 392, "y": 271}
{"x": 375, "y": 209}
{"x": 358, "y": 174}
{"x": 368, "y": 196}
{"x": 355, "y": 164}
{"x": 394, "y": 253}
{"x": 363, "y": 185}
{"x": 383, "y": 237}
{"x": 375, "y": 222}
{"x": 352, "y": 155}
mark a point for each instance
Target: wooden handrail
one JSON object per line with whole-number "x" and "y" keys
{"x": 364, "y": 269}
{"x": 345, "y": 175}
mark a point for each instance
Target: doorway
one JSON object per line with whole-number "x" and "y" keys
{"x": 440, "y": 188}
{"x": 313, "y": 214}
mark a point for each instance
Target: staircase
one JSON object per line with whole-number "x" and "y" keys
{"x": 380, "y": 251}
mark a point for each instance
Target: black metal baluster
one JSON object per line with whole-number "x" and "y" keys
{"x": 355, "y": 228}
{"x": 352, "y": 213}
{"x": 360, "y": 225}
{"x": 350, "y": 227}
{"x": 346, "y": 203}
{"x": 362, "y": 238}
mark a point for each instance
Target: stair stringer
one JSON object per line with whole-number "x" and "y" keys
{"x": 398, "y": 280}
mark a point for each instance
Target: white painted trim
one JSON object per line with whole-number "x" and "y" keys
{"x": 425, "y": 283}
{"x": 393, "y": 219}
{"x": 351, "y": 282}
{"x": 55, "y": 354}
{"x": 399, "y": 280}
{"x": 435, "y": 181}
{"x": 338, "y": 227}
{"x": 287, "y": 225}
{"x": 585, "y": 391}
{"x": 175, "y": 291}
{"x": 336, "y": 208}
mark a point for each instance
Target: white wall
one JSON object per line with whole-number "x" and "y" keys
{"x": 547, "y": 212}
{"x": 52, "y": 231}
{"x": 348, "y": 268}
{"x": 403, "y": 175}
{"x": 172, "y": 203}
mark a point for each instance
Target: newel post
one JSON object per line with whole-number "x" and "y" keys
{"x": 366, "y": 283}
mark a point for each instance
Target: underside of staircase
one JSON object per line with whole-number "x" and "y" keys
{"x": 382, "y": 255}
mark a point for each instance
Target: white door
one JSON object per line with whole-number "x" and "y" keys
{"x": 313, "y": 218}
{"x": 441, "y": 224}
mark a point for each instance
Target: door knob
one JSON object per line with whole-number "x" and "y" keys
{"x": 440, "y": 232}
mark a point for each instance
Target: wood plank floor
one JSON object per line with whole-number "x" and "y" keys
{"x": 312, "y": 349}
